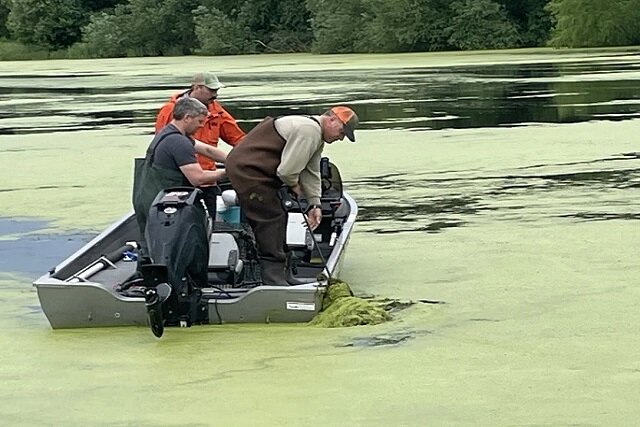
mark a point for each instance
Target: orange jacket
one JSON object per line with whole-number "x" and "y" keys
{"x": 219, "y": 124}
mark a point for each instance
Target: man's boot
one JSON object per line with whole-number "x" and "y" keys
{"x": 291, "y": 269}
{"x": 273, "y": 273}
{"x": 292, "y": 280}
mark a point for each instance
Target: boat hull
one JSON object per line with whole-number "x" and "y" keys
{"x": 87, "y": 305}
{"x": 95, "y": 302}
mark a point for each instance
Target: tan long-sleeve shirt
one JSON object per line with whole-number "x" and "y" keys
{"x": 300, "y": 161}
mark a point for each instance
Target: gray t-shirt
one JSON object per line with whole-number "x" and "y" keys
{"x": 175, "y": 150}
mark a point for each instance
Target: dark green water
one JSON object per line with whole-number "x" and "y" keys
{"x": 415, "y": 97}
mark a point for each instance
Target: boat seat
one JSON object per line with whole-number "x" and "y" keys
{"x": 343, "y": 209}
{"x": 224, "y": 253}
{"x": 297, "y": 233}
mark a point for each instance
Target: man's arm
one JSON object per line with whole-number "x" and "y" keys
{"x": 211, "y": 152}
{"x": 310, "y": 180}
{"x": 183, "y": 151}
{"x": 230, "y": 132}
{"x": 199, "y": 177}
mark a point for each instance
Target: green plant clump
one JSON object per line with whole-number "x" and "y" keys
{"x": 340, "y": 308}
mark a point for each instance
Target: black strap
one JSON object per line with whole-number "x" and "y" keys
{"x": 308, "y": 117}
{"x": 314, "y": 119}
{"x": 162, "y": 138}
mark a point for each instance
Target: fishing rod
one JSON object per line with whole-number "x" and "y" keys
{"x": 313, "y": 240}
{"x": 105, "y": 260}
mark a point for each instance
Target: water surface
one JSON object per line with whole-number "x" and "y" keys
{"x": 503, "y": 185}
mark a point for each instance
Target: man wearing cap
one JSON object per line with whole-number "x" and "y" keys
{"x": 218, "y": 125}
{"x": 170, "y": 160}
{"x": 285, "y": 150}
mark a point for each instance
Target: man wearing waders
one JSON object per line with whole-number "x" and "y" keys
{"x": 171, "y": 159}
{"x": 218, "y": 125}
{"x": 285, "y": 150}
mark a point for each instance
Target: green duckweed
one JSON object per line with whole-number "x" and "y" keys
{"x": 340, "y": 309}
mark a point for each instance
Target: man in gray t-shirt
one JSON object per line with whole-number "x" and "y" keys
{"x": 176, "y": 150}
{"x": 171, "y": 159}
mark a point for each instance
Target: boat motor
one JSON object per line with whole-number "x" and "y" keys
{"x": 177, "y": 237}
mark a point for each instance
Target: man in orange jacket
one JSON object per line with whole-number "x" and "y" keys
{"x": 218, "y": 125}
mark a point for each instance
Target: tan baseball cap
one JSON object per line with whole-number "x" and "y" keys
{"x": 207, "y": 79}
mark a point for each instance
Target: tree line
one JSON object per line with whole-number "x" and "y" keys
{"x": 112, "y": 28}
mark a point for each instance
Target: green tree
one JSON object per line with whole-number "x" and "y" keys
{"x": 531, "y": 18}
{"x": 257, "y": 16}
{"x": 162, "y": 27}
{"x": 99, "y": 5}
{"x": 253, "y": 26}
{"x": 105, "y": 35}
{"x": 418, "y": 25}
{"x": 50, "y": 23}
{"x": 230, "y": 9}
{"x": 337, "y": 26}
{"x": 481, "y": 24}
{"x": 588, "y": 23}
{"x": 219, "y": 34}
{"x": 143, "y": 28}
{"x": 290, "y": 28}
{"x": 4, "y": 14}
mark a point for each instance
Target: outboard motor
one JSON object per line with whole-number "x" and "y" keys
{"x": 177, "y": 237}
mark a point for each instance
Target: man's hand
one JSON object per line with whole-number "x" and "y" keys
{"x": 314, "y": 216}
{"x": 297, "y": 190}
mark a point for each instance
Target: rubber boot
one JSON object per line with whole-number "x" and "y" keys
{"x": 273, "y": 273}
{"x": 292, "y": 262}
{"x": 298, "y": 281}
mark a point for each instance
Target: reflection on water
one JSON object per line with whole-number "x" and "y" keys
{"x": 25, "y": 249}
{"x": 406, "y": 98}
{"x": 432, "y": 204}
{"x": 415, "y": 99}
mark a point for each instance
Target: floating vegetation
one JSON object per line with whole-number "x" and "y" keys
{"x": 340, "y": 309}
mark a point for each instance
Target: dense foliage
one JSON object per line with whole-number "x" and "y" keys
{"x": 105, "y": 28}
{"x": 48, "y": 23}
{"x": 481, "y": 24}
{"x": 4, "y": 14}
{"x": 585, "y": 23}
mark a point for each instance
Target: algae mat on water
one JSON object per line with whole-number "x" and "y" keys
{"x": 540, "y": 277}
{"x": 340, "y": 308}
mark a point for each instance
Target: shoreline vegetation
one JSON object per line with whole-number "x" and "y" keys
{"x": 81, "y": 29}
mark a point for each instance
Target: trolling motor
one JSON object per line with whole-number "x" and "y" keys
{"x": 177, "y": 245}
